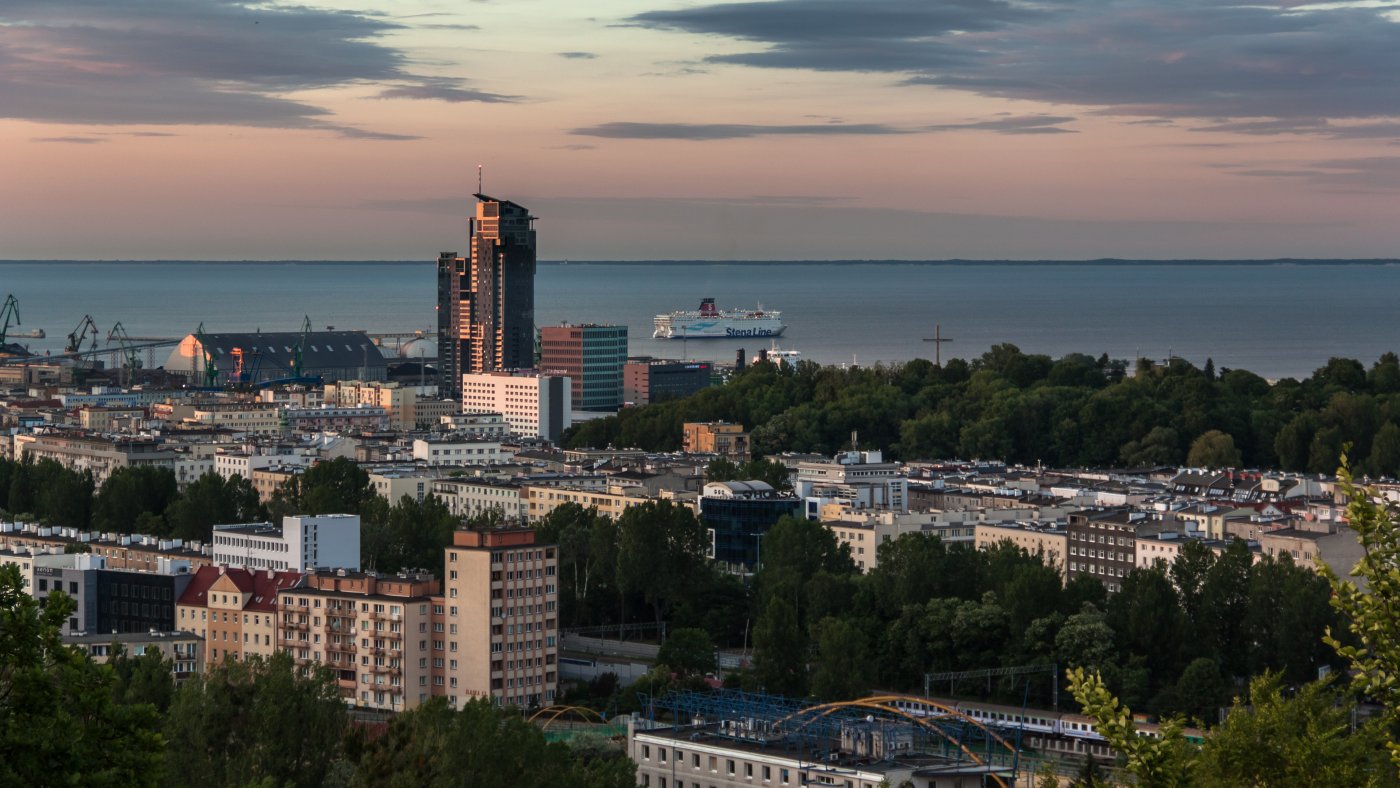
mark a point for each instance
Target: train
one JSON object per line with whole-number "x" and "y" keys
{"x": 1051, "y": 731}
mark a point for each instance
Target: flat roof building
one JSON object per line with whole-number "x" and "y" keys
{"x": 301, "y": 543}
{"x": 592, "y": 357}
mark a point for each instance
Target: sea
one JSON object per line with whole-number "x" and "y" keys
{"x": 1278, "y": 319}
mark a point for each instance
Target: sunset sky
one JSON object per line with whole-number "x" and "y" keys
{"x": 646, "y": 129}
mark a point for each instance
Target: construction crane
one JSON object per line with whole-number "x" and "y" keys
{"x": 10, "y": 311}
{"x": 131, "y": 356}
{"x": 85, "y": 328}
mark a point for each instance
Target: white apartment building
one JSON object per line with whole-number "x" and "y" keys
{"x": 230, "y": 463}
{"x": 472, "y": 497}
{"x": 533, "y": 404}
{"x": 299, "y": 544}
{"x": 459, "y": 450}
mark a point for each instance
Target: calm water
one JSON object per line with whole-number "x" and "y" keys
{"x": 1277, "y": 320}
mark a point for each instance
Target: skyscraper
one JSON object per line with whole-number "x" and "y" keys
{"x": 486, "y": 302}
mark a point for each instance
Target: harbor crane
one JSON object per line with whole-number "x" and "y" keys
{"x": 209, "y": 369}
{"x": 9, "y": 312}
{"x": 131, "y": 356}
{"x": 85, "y": 329}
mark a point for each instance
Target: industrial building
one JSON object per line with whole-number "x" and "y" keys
{"x": 486, "y": 302}
{"x": 730, "y": 738}
{"x": 261, "y": 357}
{"x": 592, "y": 356}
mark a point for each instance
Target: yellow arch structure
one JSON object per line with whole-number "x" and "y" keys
{"x": 884, "y": 703}
{"x": 553, "y": 713}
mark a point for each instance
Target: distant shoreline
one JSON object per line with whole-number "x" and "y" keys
{"x": 955, "y": 262}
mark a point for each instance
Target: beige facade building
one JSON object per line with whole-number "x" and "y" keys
{"x": 371, "y": 630}
{"x": 250, "y": 418}
{"x": 399, "y": 402}
{"x": 101, "y": 419}
{"x": 1051, "y": 544}
{"x": 183, "y": 649}
{"x": 500, "y": 611}
{"x": 540, "y": 500}
{"x": 730, "y": 441}
{"x": 234, "y": 611}
{"x": 429, "y": 413}
{"x": 99, "y": 454}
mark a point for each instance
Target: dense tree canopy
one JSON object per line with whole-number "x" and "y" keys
{"x": 1026, "y": 408}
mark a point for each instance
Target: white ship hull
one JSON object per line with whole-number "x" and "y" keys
{"x": 710, "y": 323}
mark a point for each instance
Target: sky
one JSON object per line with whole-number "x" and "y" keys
{"x": 647, "y": 129}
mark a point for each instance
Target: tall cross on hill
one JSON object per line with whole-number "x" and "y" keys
{"x": 938, "y": 339}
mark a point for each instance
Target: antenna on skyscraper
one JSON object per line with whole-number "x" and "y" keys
{"x": 478, "y": 179}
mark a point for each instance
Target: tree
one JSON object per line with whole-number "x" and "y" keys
{"x": 1274, "y": 740}
{"x": 1162, "y": 762}
{"x": 843, "y": 670}
{"x": 338, "y": 486}
{"x": 1371, "y": 606}
{"x": 141, "y": 679}
{"x": 435, "y": 746}
{"x": 688, "y": 651}
{"x": 1213, "y": 449}
{"x": 259, "y": 719}
{"x": 780, "y": 661}
{"x": 131, "y": 492}
{"x": 211, "y": 500}
{"x": 58, "y": 721}
{"x": 661, "y": 552}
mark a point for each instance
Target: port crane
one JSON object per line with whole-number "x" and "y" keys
{"x": 297, "y": 367}
{"x": 10, "y": 311}
{"x": 85, "y": 329}
{"x": 131, "y": 357}
{"x": 209, "y": 369}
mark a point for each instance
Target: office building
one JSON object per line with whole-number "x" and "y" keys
{"x": 535, "y": 405}
{"x": 486, "y": 301}
{"x": 592, "y": 356}
{"x": 300, "y": 543}
{"x": 110, "y": 600}
{"x": 737, "y": 515}
{"x": 500, "y": 603}
{"x": 856, "y": 479}
{"x": 646, "y": 380}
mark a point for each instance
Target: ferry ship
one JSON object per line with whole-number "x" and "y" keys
{"x": 708, "y": 322}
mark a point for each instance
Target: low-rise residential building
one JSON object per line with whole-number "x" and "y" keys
{"x": 469, "y": 497}
{"x": 96, "y": 453}
{"x": 301, "y": 543}
{"x": 1051, "y": 543}
{"x": 730, "y": 441}
{"x": 394, "y": 483}
{"x": 182, "y": 649}
{"x": 234, "y": 610}
{"x": 336, "y": 418}
{"x": 399, "y": 403}
{"x": 372, "y": 631}
{"x": 458, "y": 450}
{"x": 541, "y": 499}
{"x": 249, "y": 418}
{"x": 490, "y": 426}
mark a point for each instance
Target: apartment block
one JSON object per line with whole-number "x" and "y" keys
{"x": 500, "y": 608}
{"x": 370, "y": 630}
{"x": 535, "y": 405}
{"x": 399, "y": 402}
{"x": 233, "y": 610}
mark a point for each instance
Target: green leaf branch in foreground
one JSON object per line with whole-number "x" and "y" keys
{"x": 1371, "y": 604}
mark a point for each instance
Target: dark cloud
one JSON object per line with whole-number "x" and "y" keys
{"x": 448, "y": 26}
{"x": 578, "y": 55}
{"x": 1015, "y": 124}
{"x": 1197, "y": 59}
{"x": 725, "y": 131}
{"x": 1369, "y": 174}
{"x": 187, "y": 62}
{"x": 69, "y": 140}
{"x": 450, "y": 90}
{"x": 1309, "y": 126}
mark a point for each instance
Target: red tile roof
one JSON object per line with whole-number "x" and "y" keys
{"x": 261, "y": 586}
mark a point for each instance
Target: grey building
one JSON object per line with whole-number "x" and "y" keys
{"x": 263, "y": 356}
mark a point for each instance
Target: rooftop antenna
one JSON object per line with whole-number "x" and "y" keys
{"x": 478, "y": 179}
